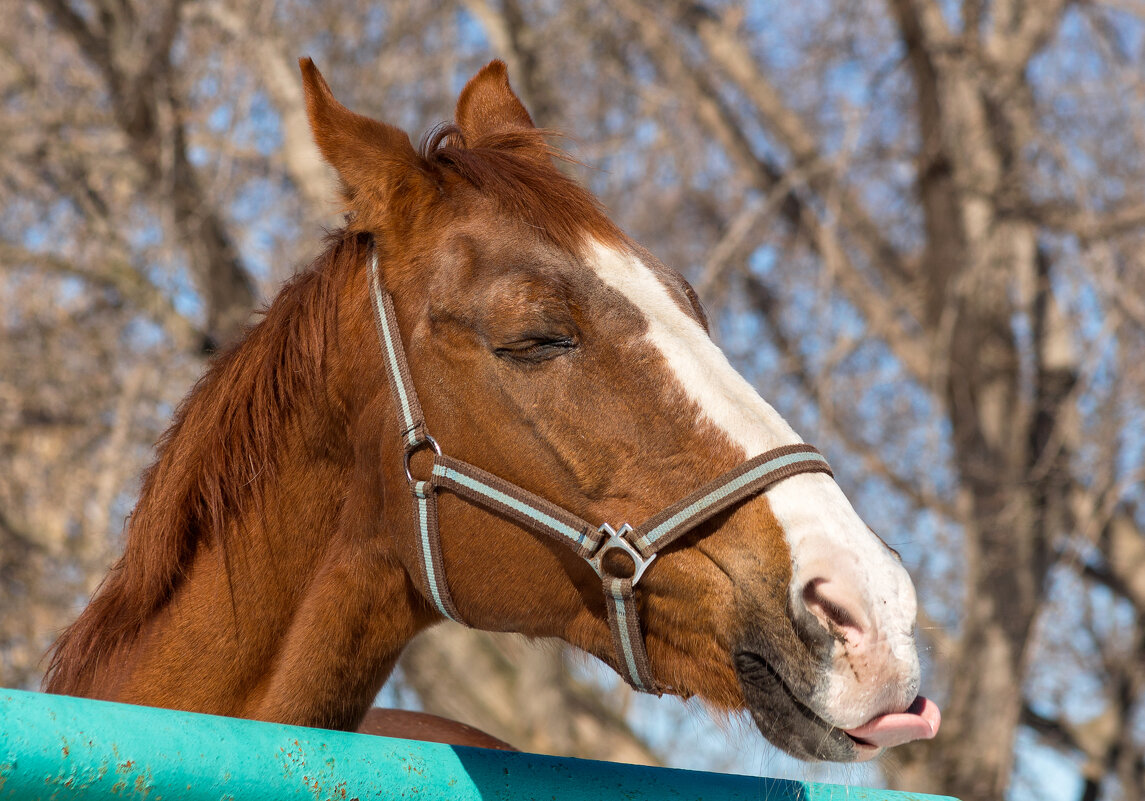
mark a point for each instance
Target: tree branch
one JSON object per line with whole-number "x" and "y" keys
{"x": 301, "y": 160}
{"x": 120, "y": 277}
{"x": 884, "y": 318}
{"x": 15, "y": 539}
{"x": 92, "y": 46}
{"x": 725, "y": 49}
{"x": 1090, "y": 226}
{"x": 147, "y": 109}
{"x": 1011, "y": 51}
{"x": 1051, "y": 731}
{"x": 795, "y": 365}
{"x": 1120, "y": 541}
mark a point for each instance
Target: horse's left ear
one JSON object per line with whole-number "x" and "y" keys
{"x": 487, "y": 104}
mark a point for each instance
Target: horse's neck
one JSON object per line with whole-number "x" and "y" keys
{"x": 300, "y": 620}
{"x": 298, "y": 610}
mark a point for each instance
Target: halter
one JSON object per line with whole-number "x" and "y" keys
{"x": 590, "y": 542}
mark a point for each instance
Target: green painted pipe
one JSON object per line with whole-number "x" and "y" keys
{"x": 56, "y": 747}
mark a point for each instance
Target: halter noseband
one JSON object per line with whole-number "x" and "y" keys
{"x": 586, "y": 540}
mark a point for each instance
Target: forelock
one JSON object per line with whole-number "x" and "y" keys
{"x": 515, "y": 168}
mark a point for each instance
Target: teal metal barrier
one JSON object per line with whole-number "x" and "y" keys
{"x": 56, "y": 747}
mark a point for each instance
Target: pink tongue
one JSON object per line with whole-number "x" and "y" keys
{"x": 920, "y": 722}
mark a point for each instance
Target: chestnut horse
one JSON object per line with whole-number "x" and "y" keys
{"x": 481, "y": 317}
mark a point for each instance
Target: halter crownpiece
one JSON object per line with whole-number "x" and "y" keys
{"x": 588, "y": 541}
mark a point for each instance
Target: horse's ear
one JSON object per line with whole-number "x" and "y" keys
{"x": 488, "y": 104}
{"x": 371, "y": 157}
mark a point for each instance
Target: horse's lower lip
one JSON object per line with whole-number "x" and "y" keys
{"x": 850, "y": 748}
{"x": 864, "y": 751}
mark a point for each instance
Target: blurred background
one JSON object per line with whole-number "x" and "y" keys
{"x": 918, "y": 226}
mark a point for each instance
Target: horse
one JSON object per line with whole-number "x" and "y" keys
{"x": 484, "y": 402}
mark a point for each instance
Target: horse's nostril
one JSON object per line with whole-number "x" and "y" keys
{"x": 831, "y": 603}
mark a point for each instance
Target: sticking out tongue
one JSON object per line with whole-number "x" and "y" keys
{"x": 919, "y": 722}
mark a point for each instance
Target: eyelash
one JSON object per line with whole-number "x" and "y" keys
{"x": 538, "y": 350}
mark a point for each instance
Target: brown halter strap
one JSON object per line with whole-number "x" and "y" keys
{"x": 588, "y": 541}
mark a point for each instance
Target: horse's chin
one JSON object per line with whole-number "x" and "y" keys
{"x": 788, "y": 722}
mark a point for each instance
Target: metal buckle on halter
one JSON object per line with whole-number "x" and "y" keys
{"x": 616, "y": 540}
{"x": 411, "y": 449}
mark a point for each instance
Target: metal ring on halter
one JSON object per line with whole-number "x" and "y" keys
{"x": 616, "y": 541}
{"x": 431, "y": 442}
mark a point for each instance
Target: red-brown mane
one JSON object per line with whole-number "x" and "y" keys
{"x": 214, "y": 460}
{"x": 515, "y": 167}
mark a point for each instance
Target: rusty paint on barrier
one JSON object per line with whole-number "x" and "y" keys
{"x": 118, "y": 751}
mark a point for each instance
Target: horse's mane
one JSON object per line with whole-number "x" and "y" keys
{"x": 517, "y": 168}
{"x": 218, "y": 454}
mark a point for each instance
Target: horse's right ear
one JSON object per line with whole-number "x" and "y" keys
{"x": 488, "y": 104}
{"x": 371, "y": 157}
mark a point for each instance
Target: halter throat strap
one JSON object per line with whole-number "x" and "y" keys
{"x": 589, "y": 541}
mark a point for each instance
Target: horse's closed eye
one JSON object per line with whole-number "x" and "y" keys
{"x": 536, "y": 350}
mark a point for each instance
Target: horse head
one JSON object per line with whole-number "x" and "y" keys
{"x": 551, "y": 351}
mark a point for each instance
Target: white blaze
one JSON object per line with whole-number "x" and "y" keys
{"x": 823, "y": 531}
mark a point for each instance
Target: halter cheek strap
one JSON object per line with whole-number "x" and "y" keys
{"x": 588, "y": 541}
